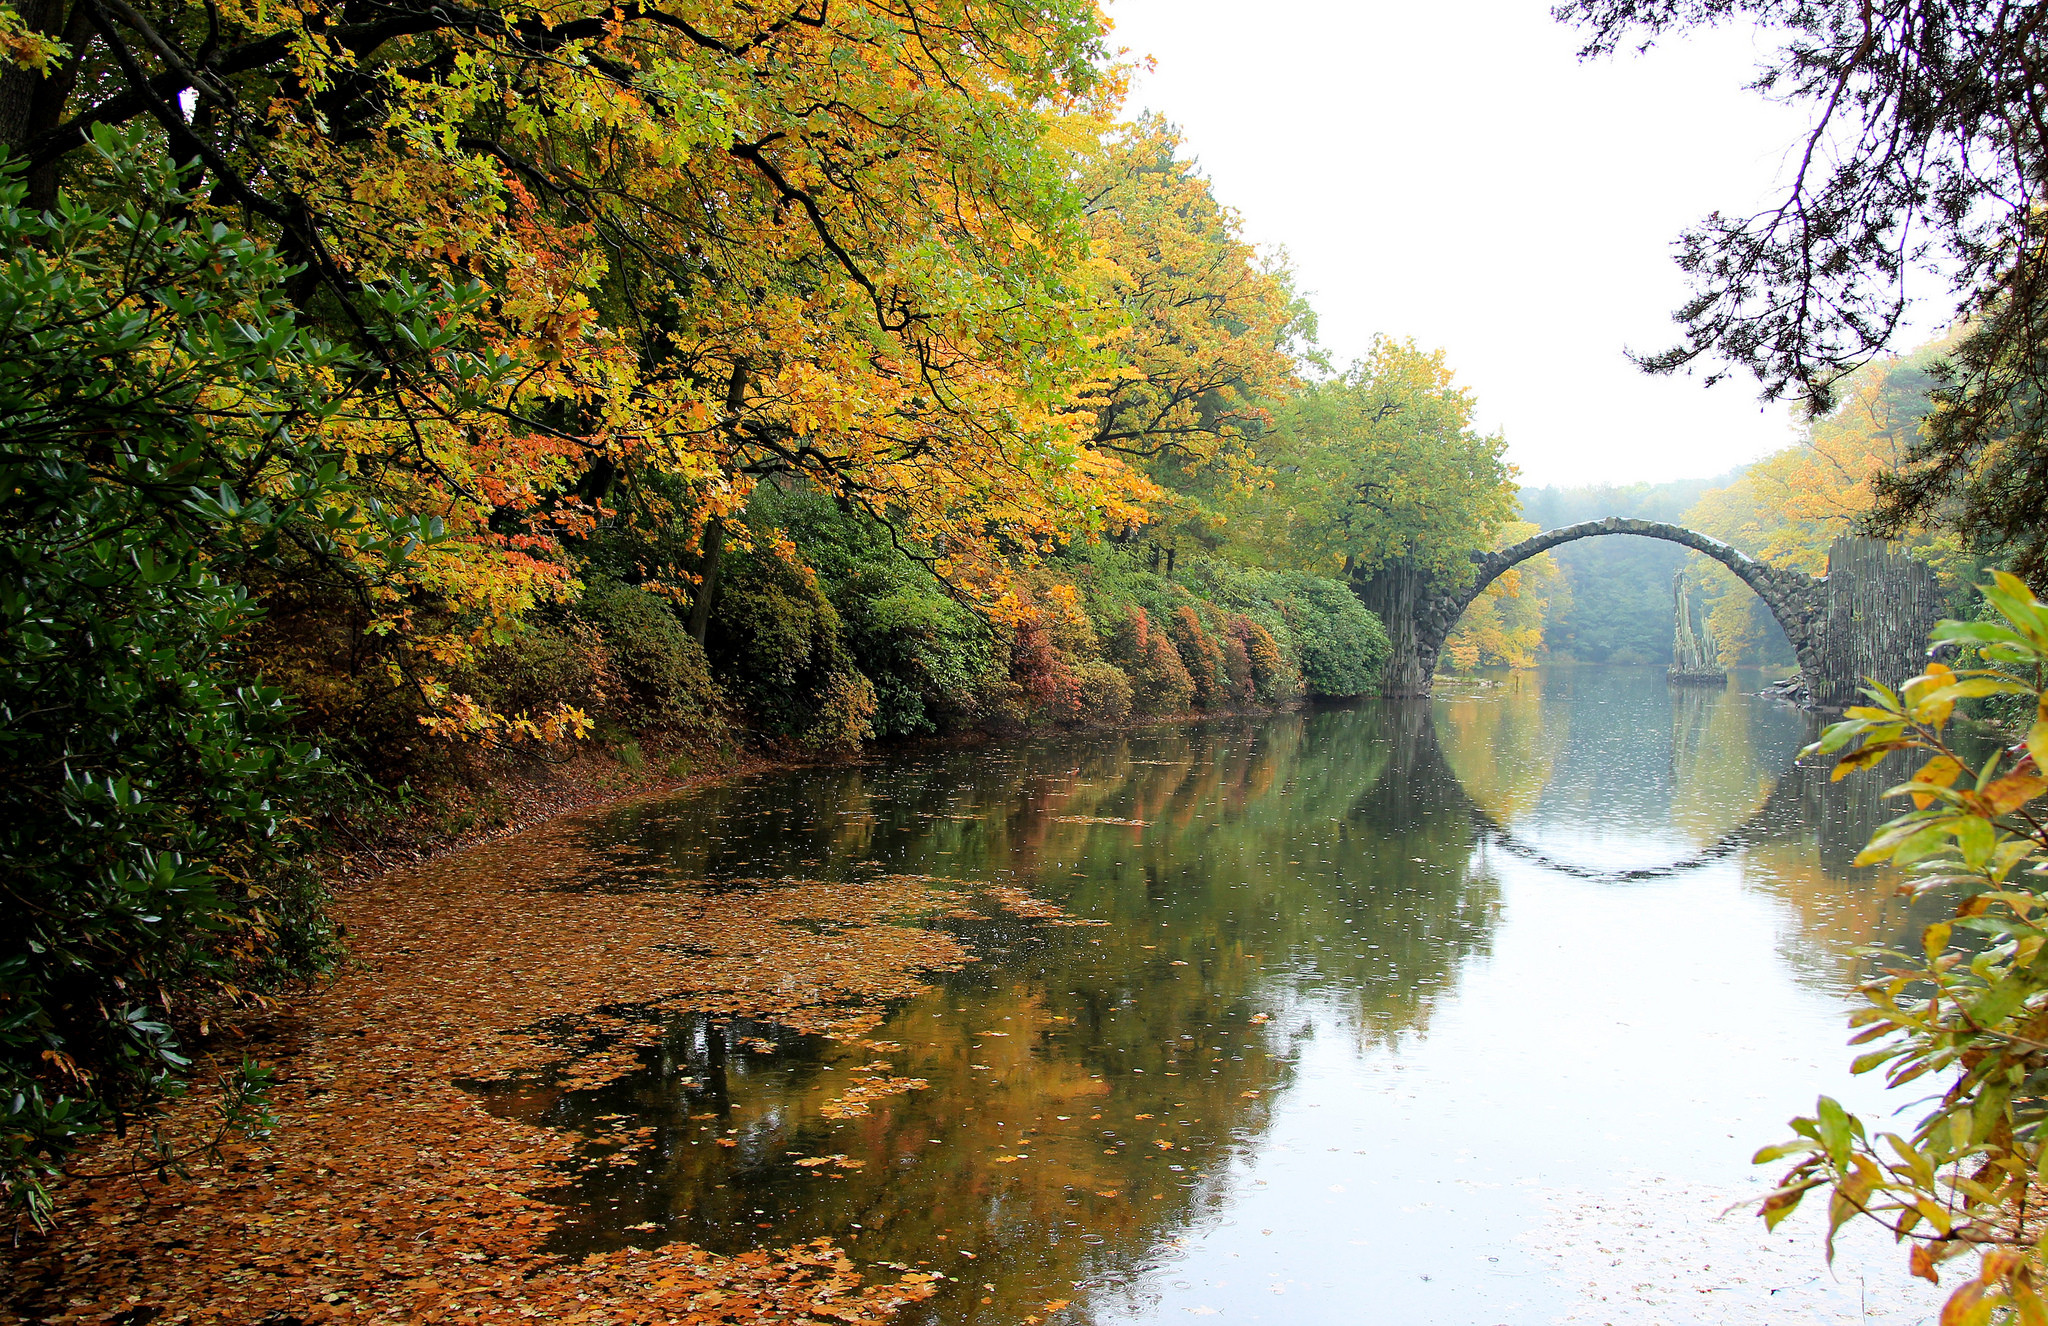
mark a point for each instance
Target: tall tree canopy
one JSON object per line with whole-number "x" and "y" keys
{"x": 1925, "y": 153}
{"x": 1378, "y": 466}
{"x": 397, "y": 375}
{"x": 837, "y": 241}
{"x": 1202, "y": 334}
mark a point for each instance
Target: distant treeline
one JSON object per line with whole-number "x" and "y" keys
{"x": 1609, "y": 600}
{"x": 1619, "y": 608}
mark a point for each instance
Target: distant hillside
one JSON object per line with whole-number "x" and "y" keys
{"x": 1620, "y": 605}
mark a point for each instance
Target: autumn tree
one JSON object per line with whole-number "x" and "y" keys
{"x": 1504, "y": 626}
{"x": 1791, "y": 506}
{"x": 829, "y": 242}
{"x": 1379, "y": 475}
{"x": 1200, "y": 333}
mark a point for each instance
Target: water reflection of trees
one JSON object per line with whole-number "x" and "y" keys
{"x": 1308, "y": 871}
{"x": 1802, "y": 853}
{"x": 1611, "y": 752}
{"x": 1325, "y": 872}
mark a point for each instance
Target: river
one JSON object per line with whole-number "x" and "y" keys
{"x": 1462, "y": 1011}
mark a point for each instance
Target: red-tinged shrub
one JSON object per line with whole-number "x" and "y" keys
{"x": 1043, "y": 673}
{"x": 1202, "y": 657}
{"x": 1271, "y": 677}
{"x": 1237, "y": 666}
{"x": 1160, "y": 683}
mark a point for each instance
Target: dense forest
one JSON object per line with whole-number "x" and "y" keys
{"x": 403, "y": 402}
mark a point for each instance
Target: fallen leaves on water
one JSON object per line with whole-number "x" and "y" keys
{"x": 854, "y": 1102}
{"x": 840, "y": 1159}
{"x": 387, "y": 1192}
{"x": 1020, "y": 902}
{"x": 1101, "y": 819}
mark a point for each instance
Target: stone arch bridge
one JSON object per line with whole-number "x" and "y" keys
{"x": 1867, "y": 617}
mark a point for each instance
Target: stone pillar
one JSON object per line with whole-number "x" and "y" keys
{"x": 1880, "y": 604}
{"x": 1395, "y": 593}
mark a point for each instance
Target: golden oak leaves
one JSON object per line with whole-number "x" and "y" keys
{"x": 1199, "y": 328}
{"x": 730, "y": 243}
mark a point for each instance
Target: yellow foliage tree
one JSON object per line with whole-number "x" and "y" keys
{"x": 1199, "y": 333}
{"x": 1504, "y": 626}
{"x": 1790, "y": 506}
{"x": 711, "y": 245}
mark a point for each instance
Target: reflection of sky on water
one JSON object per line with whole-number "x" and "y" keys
{"x": 1611, "y": 1033}
{"x": 1609, "y": 769}
{"x": 1422, "y": 1078}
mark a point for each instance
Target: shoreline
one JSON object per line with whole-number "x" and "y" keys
{"x": 597, "y": 779}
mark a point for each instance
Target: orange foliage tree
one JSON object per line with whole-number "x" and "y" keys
{"x": 714, "y": 244}
{"x": 1790, "y": 506}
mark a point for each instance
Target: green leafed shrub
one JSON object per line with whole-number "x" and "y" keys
{"x": 1338, "y": 643}
{"x": 1103, "y": 692}
{"x": 1963, "y": 1012}
{"x": 774, "y": 642}
{"x": 927, "y": 655}
{"x": 161, "y": 415}
{"x": 845, "y": 713}
{"x": 537, "y": 667}
{"x": 655, "y": 677}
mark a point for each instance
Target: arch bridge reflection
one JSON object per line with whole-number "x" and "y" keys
{"x": 1528, "y": 754}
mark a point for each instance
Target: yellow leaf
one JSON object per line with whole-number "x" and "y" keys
{"x": 2013, "y": 791}
{"x": 1941, "y": 771}
{"x": 1966, "y": 1307}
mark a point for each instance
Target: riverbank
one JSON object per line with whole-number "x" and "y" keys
{"x": 1149, "y": 1022}
{"x": 385, "y": 1191}
{"x": 518, "y": 796}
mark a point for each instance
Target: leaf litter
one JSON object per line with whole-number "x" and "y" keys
{"x": 387, "y": 1192}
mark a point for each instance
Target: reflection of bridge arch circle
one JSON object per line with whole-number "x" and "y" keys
{"x": 1788, "y": 593}
{"x": 1720, "y": 849}
{"x": 1770, "y": 811}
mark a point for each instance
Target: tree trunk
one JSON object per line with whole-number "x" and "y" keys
{"x": 707, "y": 581}
{"x": 32, "y": 101}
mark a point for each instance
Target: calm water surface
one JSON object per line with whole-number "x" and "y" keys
{"x": 1459, "y": 1011}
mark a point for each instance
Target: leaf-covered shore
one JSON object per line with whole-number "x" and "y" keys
{"x": 384, "y": 1190}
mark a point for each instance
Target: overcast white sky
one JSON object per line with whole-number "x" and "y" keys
{"x": 1450, "y": 171}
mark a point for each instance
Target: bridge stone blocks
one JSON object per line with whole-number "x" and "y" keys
{"x": 1868, "y": 617}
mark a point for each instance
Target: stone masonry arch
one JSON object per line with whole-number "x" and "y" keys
{"x": 1419, "y": 621}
